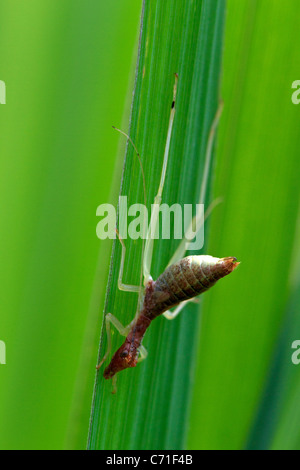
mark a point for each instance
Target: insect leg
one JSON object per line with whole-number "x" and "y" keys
{"x": 121, "y": 286}
{"x": 123, "y": 330}
{"x": 108, "y": 334}
{"x": 114, "y": 385}
{"x": 170, "y": 315}
{"x": 111, "y": 319}
{"x": 158, "y": 198}
{"x": 198, "y": 220}
{"x": 143, "y": 353}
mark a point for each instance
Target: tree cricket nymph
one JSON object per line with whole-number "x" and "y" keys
{"x": 183, "y": 279}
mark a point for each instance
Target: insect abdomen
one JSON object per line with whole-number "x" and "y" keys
{"x": 190, "y": 277}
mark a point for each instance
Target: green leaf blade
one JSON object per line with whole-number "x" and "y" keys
{"x": 150, "y": 409}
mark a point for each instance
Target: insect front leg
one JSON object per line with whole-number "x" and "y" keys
{"x": 123, "y": 330}
{"x": 143, "y": 353}
{"x": 121, "y": 285}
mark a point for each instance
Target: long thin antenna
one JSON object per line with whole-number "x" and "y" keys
{"x": 208, "y": 152}
{"x": 139, "y": 159}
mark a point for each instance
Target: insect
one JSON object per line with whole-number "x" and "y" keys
{"x": 183, "y": 279}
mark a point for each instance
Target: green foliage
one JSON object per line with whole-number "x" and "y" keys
{"x": 222, "y": 380}
{"x": 66, "y": 67}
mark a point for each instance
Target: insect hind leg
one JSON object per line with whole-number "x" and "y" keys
{"x": 158, "y": 198}
{"x": 198, "y": 220}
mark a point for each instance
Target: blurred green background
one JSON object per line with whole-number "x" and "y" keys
{"x": 68, "y": 68}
